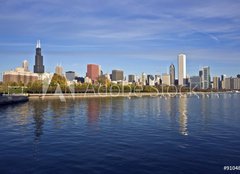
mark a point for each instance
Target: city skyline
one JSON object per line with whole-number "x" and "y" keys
{"x": 128, "y": 35}
{"x": 93, "y": 71}
{"x": 119, "y": 86}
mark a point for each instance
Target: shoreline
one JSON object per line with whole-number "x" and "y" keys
{"x": 114, "y": 95}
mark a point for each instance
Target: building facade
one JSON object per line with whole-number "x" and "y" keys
{"x": 182, "y": 72}
{"x": 195, "y": 82}
{"x": 157, "y": 79}
{"x": 25, "y": 65}
{"x": 216, "y": 83}
{"x": 131, "y": 78}
{"x": 144, "y": 79}
{"x": 38, "y": 67}
{"x": 206, "y": 78}
{"x": 70, "y": 75}
{"x": 172, "y": 74}
{"x": 236, "y": 83}
{"x": 166, "y": 79}
{"x": 117, "y": 75}
{"x": 93, "y": 72}
{"x": 59, "y": 70}
{"x": 229, "y": 83}
{"x": 150, "y": 80}
{"x": 20, "y": 75}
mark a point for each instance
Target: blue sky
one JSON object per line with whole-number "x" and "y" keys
{"x": 134, "y": 35}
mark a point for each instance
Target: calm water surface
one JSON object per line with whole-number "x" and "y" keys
{"x": 118, "y": 135}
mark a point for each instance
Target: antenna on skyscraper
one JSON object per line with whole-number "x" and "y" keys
{"x": 38, "y": 44}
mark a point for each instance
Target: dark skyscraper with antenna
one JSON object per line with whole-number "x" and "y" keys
{"x": 38, "y": 67}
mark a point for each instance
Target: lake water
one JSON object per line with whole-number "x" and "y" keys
{"x": 121, "y": 135}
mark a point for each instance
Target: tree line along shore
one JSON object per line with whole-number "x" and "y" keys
{"x": 59, "y": 83}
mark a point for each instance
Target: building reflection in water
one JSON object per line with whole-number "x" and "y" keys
{"x": 183, "y": 117}
{"x": 38, "y": 116}
{"x": 119, "y": 107}
{"x": 172, "y": 110}
{"x": 59, "y": 110}
{"x": 23, "y": 119}
{"x": 112, "y": 108}
{"x": 93, "y": 110}
{"x": 38, "y": 109}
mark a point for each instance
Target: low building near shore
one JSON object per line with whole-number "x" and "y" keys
{"x": 20, "y": 75}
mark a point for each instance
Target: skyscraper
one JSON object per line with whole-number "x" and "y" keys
{"x": 223, "y": 77}
{"x": 59, "y": 70}
{"x": 117, "y": 75}
{"x": 172, "y": 74}
{"x": 93, "y": 72}
{"x": 236, "y": 83}
{"x": 157, "y": 79}
{"x": 229, "y": 83}
{"x": 195, "y": 82}
{"x": 38, "y": 67}
{"x": 182, "y": 72}
{"x": 166, "y": 79}
{"x": 216, "y": 83}
{"x": 150, "y": 80}
{"x": 70, "y": 75}
{"x": 131, "y": 78}
{"x": 25, "y": 65}
{"x": 144, "y": 79}
{"x": 206, "y": 79}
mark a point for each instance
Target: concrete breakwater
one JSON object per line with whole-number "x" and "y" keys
{"x": 12, "y": 99}
{"x": 105, "y": 95}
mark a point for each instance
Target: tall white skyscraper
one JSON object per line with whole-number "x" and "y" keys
{"x": 182, "y": 72}
{"x": 144, "y": 79}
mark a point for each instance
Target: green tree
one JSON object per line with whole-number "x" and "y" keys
{"x": 58, "y": 79}
{"x": 35, "y": 87}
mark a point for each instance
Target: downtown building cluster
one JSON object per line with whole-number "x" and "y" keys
{"x": 94, "y": 75}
